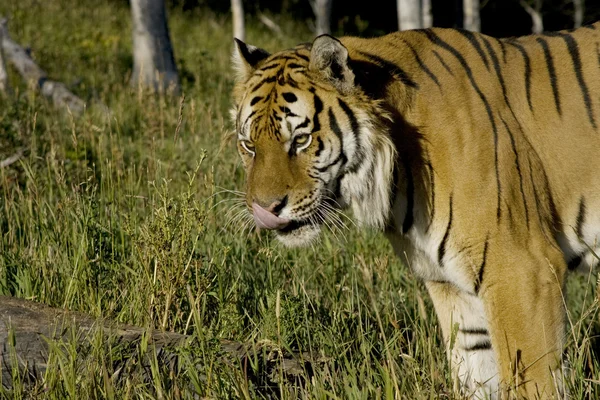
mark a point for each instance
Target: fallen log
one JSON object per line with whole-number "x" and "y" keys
{"x": 28, "y": 329}
{"x": 57, "y": 92}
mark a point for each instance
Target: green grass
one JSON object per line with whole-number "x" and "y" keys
{"x": 119, "y": 215}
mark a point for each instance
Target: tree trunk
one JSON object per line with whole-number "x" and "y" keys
{"x": 322, "y": 11}
{"x": 410, "y": 15}
{"x": 4, "y": 87}
{"x": 537, "y": 25}
{"x": 153, "y": 61}
{"x": 237, "y": 11}
{"x": 578, "y": 17}
{"x": 427, "y": 16}
{"x": 471, "y": 22}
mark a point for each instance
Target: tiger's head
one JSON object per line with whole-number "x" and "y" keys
{"x": 310, "y": 139}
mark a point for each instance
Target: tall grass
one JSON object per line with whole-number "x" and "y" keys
{"x": 123, "y": 214}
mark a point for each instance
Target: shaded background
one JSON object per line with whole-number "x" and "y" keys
{"x": 375, "y": 17}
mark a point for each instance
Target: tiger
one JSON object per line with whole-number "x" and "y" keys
{"x": 477, "y": 157}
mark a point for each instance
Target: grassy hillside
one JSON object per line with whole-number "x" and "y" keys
{"x": 133, "y": 215}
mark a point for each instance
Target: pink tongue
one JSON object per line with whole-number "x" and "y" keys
{"x": 267, "y": 220}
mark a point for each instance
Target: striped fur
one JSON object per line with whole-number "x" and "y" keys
{"x": 478, "y": 157}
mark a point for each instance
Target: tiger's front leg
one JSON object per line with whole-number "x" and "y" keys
{"x": 522, "y": 294}
{"x": 468, "y": 343}
{"x": 506, "y": 341}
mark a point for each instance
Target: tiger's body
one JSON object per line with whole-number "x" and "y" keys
{"x": 479, "y": 157}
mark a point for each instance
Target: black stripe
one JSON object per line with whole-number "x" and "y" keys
{"x": 432, "y": 194}
{"x": 335, "y": 127}
{"x": 303, "y": 124}
{"x": 574, "y": 263}
{"x": 280, "y": 78}
{"x": 479, "y": 279}
{"x": 518, "y": 167}
{"x": 442, "y": 248}
{"x": 255, "y": 100}
{"x": 503, "y": 48}
{"x": 318, "y": 104}
{"x": 341, "y": 157}
{"x": 473, "y": 40}
{"x": 302, "y": 57}
{"x": 391, "y": 68}
{"x": 580, "y": 218}
{"x": 270, "y": 79}
{"x": 295, "y": 66}
{"x": 270, "y": 66}
{"x": 289, "y": 97}
{"x": 435, "y": 39}
{"x": 576, "y": 58}
{"x": 496, "y": 64}
{"x": 287, "y": 112}
{"x": 536, "y": 197}
{"x": 423, "y": 66}
{"x": 527, "y": 61}
{"x": 551, "y": 72}
{"x": 321, "y": 146}
{"x": 441, "y": 60}
{"x": 474, "y": 331}
{"x": 290, "y": 82}
{"x": 410, "y": 200}
{"x": 485, "y": 345}
{"x": 498, "y": 71}
{"x": 359, "y": 153}
{"x": 247, "y": 118}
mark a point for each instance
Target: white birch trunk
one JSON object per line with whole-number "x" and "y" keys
{"x": 153, "y": 61}
{"x": 410, "y": 14}
{"x": 537, "y": 23}
{"x": 471, "y": 20}
{"x": 578, "y": 17}
{"x": 427, "y": 16}
{"x": 237, "y": 13}
{"x": 322, "y": 11}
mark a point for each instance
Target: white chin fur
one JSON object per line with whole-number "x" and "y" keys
{"x": 300, "y": 237}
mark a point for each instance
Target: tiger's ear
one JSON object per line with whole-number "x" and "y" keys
{"x": 246, "y": 58}
{"x": 329, "y": 57}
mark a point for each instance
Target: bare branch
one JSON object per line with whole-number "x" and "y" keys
{"x": 37, "y": 77}
{"x": 11, "y": 160}
{"x": 536, "y": 15}
{"x": 269, "y": 23}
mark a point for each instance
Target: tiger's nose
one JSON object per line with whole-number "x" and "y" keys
{"x": 275, "y": 206}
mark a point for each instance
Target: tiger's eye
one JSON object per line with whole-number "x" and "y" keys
{"x": 301, "y": 142}
{"x": 301, "y": 139}
{"x": 248, "y": 146}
